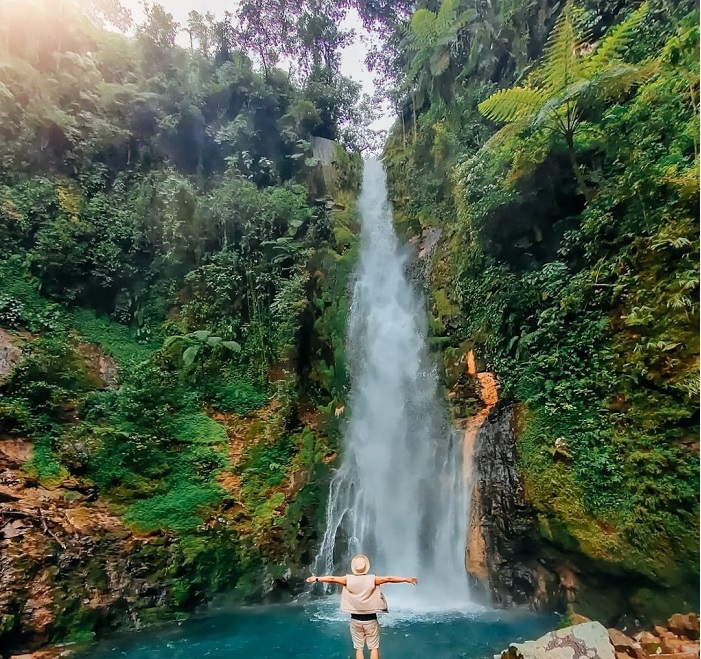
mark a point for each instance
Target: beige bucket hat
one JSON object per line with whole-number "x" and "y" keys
{"x": 360, "y": 564}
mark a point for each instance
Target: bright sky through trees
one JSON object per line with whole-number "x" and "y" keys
{"x": 352, "y": 57}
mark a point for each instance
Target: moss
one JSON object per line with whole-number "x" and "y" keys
{"x": 118, "y": 341}
{"x": 181, "y": 509}
{"x": 198, "y": 428}
{"x": 44, "y": 463}
{"x": 552, "y": 488}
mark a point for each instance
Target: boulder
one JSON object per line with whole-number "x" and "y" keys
{"x": 590, "y": 640}
{"x": 684, "y": 625}
{"x": 578, "y": 619}
{"x": 10, "y": 354}
{"x": 663, "y": 632}
{"x": 675, "y": 645}
{"x": 649, "y": 642}
{"x": 625, "y": 644}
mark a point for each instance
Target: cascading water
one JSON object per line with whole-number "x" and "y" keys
{"x": 400, "y": 493}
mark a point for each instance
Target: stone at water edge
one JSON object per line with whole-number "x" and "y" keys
{"x": 649, "y": 642}
{"x": 578, "y": 619}
{"x": 676, "y": 645}
{"x": 625, "y": 645}
{"x": 684, "y": 625}
{"x": 589, "y": 640}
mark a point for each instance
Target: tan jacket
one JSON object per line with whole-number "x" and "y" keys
{"x": 361, "y": 595}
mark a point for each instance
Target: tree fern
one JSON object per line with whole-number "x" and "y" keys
{"x": 432, "y": 36}
{"x": 509, "y": 105}
{"x": 570, "y": 77}
{"x": 617, "y": 41}
{"x": 561, "y": 64}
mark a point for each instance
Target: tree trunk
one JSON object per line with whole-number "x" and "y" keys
{"x": 581, "y": 183}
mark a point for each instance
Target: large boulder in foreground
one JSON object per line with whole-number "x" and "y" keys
{"x": 590, "y": 640}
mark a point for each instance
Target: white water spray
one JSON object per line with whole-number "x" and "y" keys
{"x": 400, "y": 493}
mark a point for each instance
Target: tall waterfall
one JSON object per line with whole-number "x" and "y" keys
{"x": 399, "y": 495}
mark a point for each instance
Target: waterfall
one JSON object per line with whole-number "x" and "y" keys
{"x": 399, "y": 495}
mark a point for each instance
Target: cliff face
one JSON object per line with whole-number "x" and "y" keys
{"x": 522, "y": 567}
{"x": 502, "y": 518}
{"x": 569, "y": 265}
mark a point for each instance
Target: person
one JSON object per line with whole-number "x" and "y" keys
{"x": 362, "y": 598}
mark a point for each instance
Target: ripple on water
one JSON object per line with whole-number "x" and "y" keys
{"x": 319, "y": 631}
{"x": 406, "y": 612}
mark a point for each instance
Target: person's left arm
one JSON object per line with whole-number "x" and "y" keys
{"x": 379, "y": 581}
{"x": 341, "y": 581}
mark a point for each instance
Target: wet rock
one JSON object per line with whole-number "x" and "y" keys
{"x": 534, "y": 561}
{"x": 65, "y": 564}
{"x": 323, "y": 175}
{"x": 589, "y": 640}
{"x": 10, "y": 354}
{"x": 625, "y": 644}
{"x": 426, "y": 243}
{"x": 15, "y": 452}
{"x": 684, "y": 625}
{"x": 649, "y": 642}
{"x": 676, "y": 645}
{"x": 663, "y": 632}
{"x": 516, "y": 575}
{"x": 578, "y": 619}
{"x": 101, "y": 367}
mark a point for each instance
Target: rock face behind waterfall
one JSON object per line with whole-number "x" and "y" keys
{"x": 523, "y": 566}
{"x": 506, "y": 522}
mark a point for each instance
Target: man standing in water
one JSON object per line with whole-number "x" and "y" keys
{"x": 362, "y": 598}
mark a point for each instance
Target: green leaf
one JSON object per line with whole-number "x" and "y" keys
{"x": 512, "y": 104}
{"x": 214, "y": 340}
{"x": 201, "y": 335}
{"x": 189, "y": 355}
{"x": 231, "y": 345}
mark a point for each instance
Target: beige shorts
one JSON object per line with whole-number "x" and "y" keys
{"x": 365, "y": 631}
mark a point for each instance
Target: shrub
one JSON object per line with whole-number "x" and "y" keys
{"x": 182, "y": 509}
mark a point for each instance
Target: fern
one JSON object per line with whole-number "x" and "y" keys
{"x": 423, "y": 26}
{"x": 562, "y": 65}
{"x": 571, "y": 77}
{"x": 617, "y": 41}
{"x": 432, "y": 37}
{"x": 515, "y": 104}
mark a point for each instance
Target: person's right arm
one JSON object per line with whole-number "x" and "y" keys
{"x": 341, "y": 581}
{"x": 382, "y": 580}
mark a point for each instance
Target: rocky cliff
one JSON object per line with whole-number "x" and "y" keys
{"x": 527, "y": 561}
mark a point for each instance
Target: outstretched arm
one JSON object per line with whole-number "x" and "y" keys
{"x": 341, "y": 581}
{"x": 382, "y": 580}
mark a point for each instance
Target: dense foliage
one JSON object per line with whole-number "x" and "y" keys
{"x": 572, "y": 250}
{"x": 174, "y": 274}
{"x": 175, "y": 267}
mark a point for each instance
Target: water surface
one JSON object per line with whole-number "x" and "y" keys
{"x": 318, "y": 631}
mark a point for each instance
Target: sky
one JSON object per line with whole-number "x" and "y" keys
{"x": 352, "y": 57}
